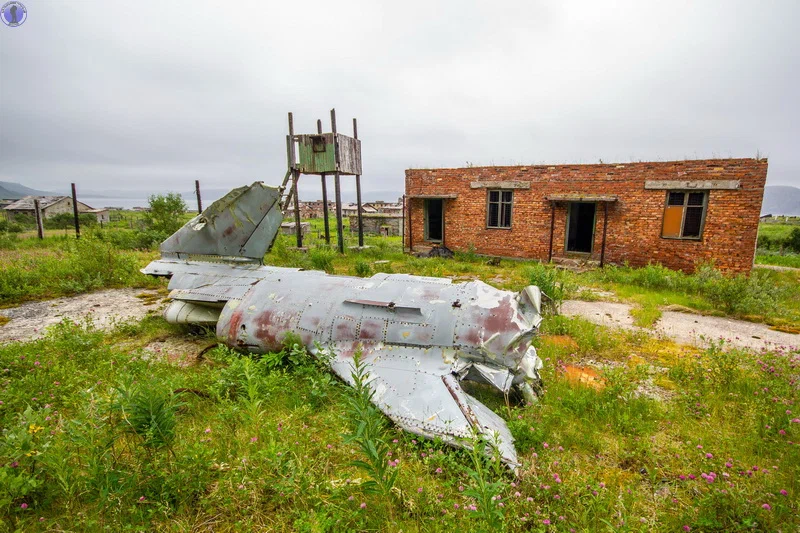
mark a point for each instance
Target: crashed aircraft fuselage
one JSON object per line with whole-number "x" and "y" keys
{"x": 419, "y": 336}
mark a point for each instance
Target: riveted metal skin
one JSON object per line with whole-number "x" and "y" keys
{"x": 420, "y": 336}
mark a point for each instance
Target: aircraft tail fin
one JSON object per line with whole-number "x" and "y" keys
{"x": 239, "y": 227}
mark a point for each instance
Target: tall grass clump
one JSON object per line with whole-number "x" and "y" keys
{"x": 556, "y": 284}
{"x": 369, "y": 433}
{"x": 362, "y": 268}
{"x": 149, "y": 412}
{"x": 322, "y": 258}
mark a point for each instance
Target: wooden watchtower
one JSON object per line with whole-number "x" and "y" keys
{"x": 323, "y": 154}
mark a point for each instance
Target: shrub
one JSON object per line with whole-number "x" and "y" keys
{"x": 363, "y": 268}
{"x": 794, "y": 240}
{"x": 165, "y": 214}
{"x": 740, "y": 294}
{"x": 67, "y": 220}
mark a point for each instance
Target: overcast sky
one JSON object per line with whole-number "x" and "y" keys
{"x": 151, "y": 95}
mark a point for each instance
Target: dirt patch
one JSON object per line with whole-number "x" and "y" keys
{"x": 589, "y": 372}
{"x": 104, "y": 308}
{"x": 181, "y": 351}
{"x": 561, "y": 341}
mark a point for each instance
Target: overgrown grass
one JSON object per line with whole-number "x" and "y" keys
{"x": 62, "y": 266}
{"x": 101, "y": 435}
{"x": 764, "y": 295}
{"x": 766, "y": 257}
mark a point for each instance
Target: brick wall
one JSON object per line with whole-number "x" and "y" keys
{"x": 634, "y": 219}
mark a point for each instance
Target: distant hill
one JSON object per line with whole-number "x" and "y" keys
{"x": 781, "y": 200}
{"x": 13, "y": 191}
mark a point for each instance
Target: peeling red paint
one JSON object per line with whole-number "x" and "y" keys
{"x": 345, "y": 330}
{"x": 371, "y": 329}
{"x": 233, "y": 325}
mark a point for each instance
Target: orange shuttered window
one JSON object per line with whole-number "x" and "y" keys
{"x": 684, "y": 215}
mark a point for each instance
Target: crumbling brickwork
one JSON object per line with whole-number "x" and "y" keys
{"x": 635, "y": 195}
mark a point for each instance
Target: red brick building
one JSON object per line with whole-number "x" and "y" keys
{"x": 677, "y": 213}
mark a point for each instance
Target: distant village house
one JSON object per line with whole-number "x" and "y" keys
{"x": 50, "y": 206}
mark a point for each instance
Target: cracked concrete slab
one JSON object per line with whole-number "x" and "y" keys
{"x": 106, "y": 308}
{"x": 686, "y": 328}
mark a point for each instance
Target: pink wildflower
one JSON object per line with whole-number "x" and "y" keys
{"x": 766, "y": 506}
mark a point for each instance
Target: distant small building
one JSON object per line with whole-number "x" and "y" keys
{"x": 49, "y": 205}
{"x": 287, "y": 228}
{"x": 352, "y": 209}
{"x": 311, "y": 209}
{"x": 378, "y": 224}
{"x": 392, "y": 208}
{"x": 103, "y": 215}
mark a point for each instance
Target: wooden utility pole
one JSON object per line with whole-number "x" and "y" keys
{"x": 295, "y": 176}
{"x": 199, "y": 199}
{"x": 75, "y": 213}
{"x": 337, "y": 185}
{"x": 358, "y": 195}
{"x": 324, "y": 195}
{"x": 38, "y": 210}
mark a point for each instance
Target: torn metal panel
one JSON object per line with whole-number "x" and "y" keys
{"x": 241, "y": 224}
{"x": 420, "y": 336}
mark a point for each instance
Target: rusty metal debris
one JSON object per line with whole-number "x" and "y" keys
{"x": 420, "y": 336}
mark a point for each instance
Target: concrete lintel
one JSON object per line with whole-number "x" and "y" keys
{"x": 500, "y": 185}
{"x": 692, "y": 184}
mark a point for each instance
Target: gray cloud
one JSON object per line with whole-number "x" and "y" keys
{"x": 152, "y": 95}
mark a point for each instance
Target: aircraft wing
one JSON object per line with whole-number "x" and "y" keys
{"x": 418, "y": 389}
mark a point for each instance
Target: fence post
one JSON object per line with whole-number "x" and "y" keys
{"x": 75, "y": 212}
{"x": 199, "y": 200}
{"x": 38, "y": 211}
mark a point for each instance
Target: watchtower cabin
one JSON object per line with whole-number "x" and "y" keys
{"x": 324, "y": 154}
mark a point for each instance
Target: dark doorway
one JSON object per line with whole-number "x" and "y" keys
{"x": 434, "y": 219}
{"x": 580, "y": 227}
